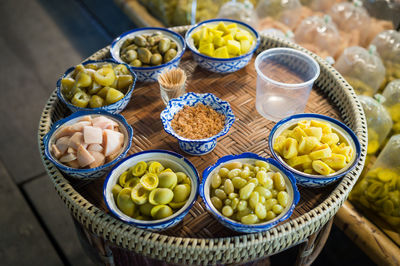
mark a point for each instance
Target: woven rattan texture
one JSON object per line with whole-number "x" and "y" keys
{"x": 200, "y": 239}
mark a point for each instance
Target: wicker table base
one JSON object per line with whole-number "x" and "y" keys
{"x": 200, "y": 239}
{"x": 107, "y": 253}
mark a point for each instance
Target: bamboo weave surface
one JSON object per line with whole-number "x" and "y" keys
{"x": 199, "y": 238}
{"x": 248, "y": 134}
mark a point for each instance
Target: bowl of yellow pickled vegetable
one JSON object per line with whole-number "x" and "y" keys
{"x": 97, "y": 85}
{"x": 222, "y": 45}
{"x": 317, "y": 149}
{"x": 152, "y": 189}
{"x": 248, "y": 193}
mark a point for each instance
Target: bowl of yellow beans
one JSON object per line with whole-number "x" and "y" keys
{"x": 152, "y": 189}
{"x": 248, "y": 193}
{"x": 222, "y": 45}
{"x": 149, "y": 51}
{"x": 97, "y": 85}
{"x": 317, "y": 149}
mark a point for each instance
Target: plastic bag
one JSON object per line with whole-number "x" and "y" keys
{"x": 278, "y": 33}
{"x": 388, "y": 46}
{"x": 285, "y": 11}
{"x": 319, "y": 35}
{"x": 239, "y": 11}
{"x": 379, "y": 123}
{"x": 392, "y": 103}
{"x": 362, "y": 68}
{"x": 320, "y": 5}
{"x": 379, "y": 190}
{"x": 351, "y": 18}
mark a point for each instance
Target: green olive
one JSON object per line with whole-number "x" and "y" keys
{"x": 140, "y": 41}
{"x": 153, "y": 40}
{"x": 130, "y": 55}
{"x": 164, "y": 45}
{"x": 130, "y": 47}
{"x": 154, "y": 49}
{"x": 144, "y": 55}
{"x": 96, "y": 101}
{"x": 173, "y": 45}
{"x": 136, "y": 63}
{"x": 156, "y": 59}
{"x": 169, "y": 55}
{"x": 127, "y": 43}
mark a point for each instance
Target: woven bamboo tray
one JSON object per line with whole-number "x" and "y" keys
{"x": 200, "y": 239}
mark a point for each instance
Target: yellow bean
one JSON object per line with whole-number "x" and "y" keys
{"x": 283, "y": 198}
{"x": 216, "y": 202}
{"x": 279, "y": 182}
{"x": 260, "y": 211}
{"x": 249, "y": 219}
{"x": 223, "y": 172}
{"x": 254, "y": 199}
{"x": 227, "y": 211}
{"x": 216, "y": 181}
{"x": 277, "y": 209}
{"x": 228, "y": 187}
{"x": 245, "y": 191}
{"x": 220, "y": 194}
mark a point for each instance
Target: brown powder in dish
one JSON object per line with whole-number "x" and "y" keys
{"x": 197, "y": 122}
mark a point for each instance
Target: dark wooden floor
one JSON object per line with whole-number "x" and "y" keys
{"x": 39, "y": 40}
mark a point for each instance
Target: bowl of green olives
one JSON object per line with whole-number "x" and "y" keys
{"x": 152, "y": 189}
{"x": 97, "y": 85}
{"x": 248, "y": 193}
{"x": 149, "y": 51}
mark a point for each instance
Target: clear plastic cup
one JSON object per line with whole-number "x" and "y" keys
{"x": 285, "y": 77}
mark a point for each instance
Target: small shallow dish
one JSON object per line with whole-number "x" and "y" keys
{"x": 149, "y": 74}
{"x": 197, "y": 146}
{"x": 345, "y": 134}
{"x": 170, "y": 160}
{"x": 222, "y": 65}
{"x": 114, "y": 108}
{"x": 92, "y": 173}
{"x": 294, "y": 195}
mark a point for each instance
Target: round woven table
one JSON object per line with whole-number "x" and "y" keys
{"x": 199, "y": 238}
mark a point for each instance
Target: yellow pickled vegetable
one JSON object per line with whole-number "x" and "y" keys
{"x": 223, "y": 41}
{"x": 151, "y": 191}
{"x": 312, "y": 147}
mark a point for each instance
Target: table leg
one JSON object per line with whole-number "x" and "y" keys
{"x": 309, "y": 250}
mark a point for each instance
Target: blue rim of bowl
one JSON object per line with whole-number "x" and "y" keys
{"x": 177, "y": 57}
{"x": 250, "y": 155}
{"x": 323, "y": 117}
{"x": 61, "y": 122}
{"x": 69, "y": 71}
{"x": 189, "y": 32}
{"x": 143, "y": 224}
{"x": 223, "y": 132}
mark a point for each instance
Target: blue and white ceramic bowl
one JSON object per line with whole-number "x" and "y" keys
{"x": 169, "y": 159}
{"x": 205, "y": 192}
{"x": 149, "y": 74}
{"x": 222, "y": 65}
{"x": 198, "y": 146}
{"x": 114, "y": 108}
{"x": 345, "y": 134}
{"x": 92, "y": 173}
